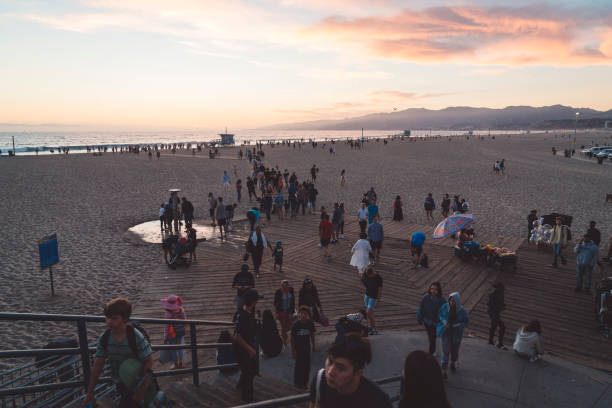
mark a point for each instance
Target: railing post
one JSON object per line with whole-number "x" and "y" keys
{"x": 194, "y": 355}
{"x": 82, "y": 326}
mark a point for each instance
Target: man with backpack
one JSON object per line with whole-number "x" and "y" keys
{"x": 128, "y": 350}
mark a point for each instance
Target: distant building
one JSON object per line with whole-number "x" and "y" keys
{"x": 226, "y": 139}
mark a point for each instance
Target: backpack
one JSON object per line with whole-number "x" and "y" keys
{"x": 425, "y": 261}
{"x": 131, "y": 336}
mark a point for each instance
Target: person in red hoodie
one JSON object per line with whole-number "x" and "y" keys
{"x": 326, "y": 230}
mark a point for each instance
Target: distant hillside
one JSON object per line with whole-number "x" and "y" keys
{"x": 460, "y": 117}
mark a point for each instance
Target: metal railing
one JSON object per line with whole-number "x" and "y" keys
{"x": 298, "y": 399}
{"x": 77, "y": 370}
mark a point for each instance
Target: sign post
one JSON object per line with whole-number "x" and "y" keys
{"x": 49, "y": 255}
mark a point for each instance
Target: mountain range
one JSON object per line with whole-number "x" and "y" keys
{"x": 461, "y": 118}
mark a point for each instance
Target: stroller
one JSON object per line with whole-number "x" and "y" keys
{"x": 603, "y": 305}
{"x": 178, "y": 250}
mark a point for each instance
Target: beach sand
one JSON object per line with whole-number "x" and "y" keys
{"x": 90, "y": 202}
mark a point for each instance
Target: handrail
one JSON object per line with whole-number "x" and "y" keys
{"x": 90, "y": 318}
{"x": 85, "y": 351}
{"x": 296, "y": 399}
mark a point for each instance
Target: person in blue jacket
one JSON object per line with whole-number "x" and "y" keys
{"x": 453, "y": 318}
{"x": 429, "y": 308}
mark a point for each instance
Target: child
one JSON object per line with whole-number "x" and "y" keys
{"x": 162, "y": 218}
{"x": 302, "y": 334}
{"x": 122, "y": 344}
{"x": 174, "y": 333}
{"x": 277, "y": 253}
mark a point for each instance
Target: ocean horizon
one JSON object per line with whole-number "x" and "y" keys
{"x": 28, "y": 142}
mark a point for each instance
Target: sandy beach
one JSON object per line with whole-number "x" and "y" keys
{"x": 90, "y": 202}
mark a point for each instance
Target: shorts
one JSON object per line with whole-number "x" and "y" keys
{"x": 370, "y": 303}
{"x": 336, "y": 226}
{"x": 376, "y": 245}
{"x": 325, "y": 242}
{"x": 212, "y": 213}
{"x": 221, "y": 222}
{"x": 416, "y": 249}
{"x": 278, "y": 262}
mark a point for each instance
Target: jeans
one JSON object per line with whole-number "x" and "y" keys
{"x": 362, "y": 225}
{"x": 431, "y": 336}
{"x": 239, "y": 302}
{"x": 557, "y": 253}
{"x": 583, "y": 270}
{"x": 496, "y": 322}
{"x": 449, "y": 347}
{"x": 239, "y": 194}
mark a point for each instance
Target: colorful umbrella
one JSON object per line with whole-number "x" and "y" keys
{"x": 452, "y": 224}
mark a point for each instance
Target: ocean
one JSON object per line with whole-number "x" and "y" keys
{"x": 45, "y": 142}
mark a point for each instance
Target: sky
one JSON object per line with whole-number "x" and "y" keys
{"x": 207, "y": 64}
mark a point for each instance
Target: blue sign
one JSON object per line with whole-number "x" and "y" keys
{"x": 48, "y": 250}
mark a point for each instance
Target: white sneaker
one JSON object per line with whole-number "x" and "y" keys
{"x": 342, "y": 236}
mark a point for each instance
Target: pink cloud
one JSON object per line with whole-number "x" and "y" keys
{"x": 539, "y": 34}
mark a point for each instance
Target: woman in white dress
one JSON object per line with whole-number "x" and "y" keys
{"x": 361, "y": 254}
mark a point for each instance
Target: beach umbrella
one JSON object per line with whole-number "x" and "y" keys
{"x": 452, "y": 224}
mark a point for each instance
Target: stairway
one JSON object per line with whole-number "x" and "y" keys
{"x": 222, "y": 392}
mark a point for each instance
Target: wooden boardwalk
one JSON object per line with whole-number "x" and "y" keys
{"x": 534, "y": 290}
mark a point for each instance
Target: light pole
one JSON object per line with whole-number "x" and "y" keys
{"x": 576, "y": 126}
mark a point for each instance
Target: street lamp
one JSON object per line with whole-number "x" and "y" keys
{"x": 576, "y": 126}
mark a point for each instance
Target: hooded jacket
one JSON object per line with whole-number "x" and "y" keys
{"x": 528, "y": 343}
{"x": 587, "y": 253}
{"x": 460, "y": 322}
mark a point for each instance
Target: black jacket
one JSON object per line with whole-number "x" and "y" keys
{"x": 496, "y": 302}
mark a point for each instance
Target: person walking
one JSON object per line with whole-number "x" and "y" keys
{"x": 362, "y": 215}
{"x": 337, "y": 217}
{"x": 251, "y": 188}
{"x": 495, "y": 306}
{"x": 342, "y": 178}
{"x": 398, "y": 214}
{"x": 428, "y": 312}
{"x": 326, "y": 230}
{"x": 376, "y": 236}
{"x": 226, "y": 181}
{"x": 361, "y": 254}
{"x": 309, "y": 296}
{"x": 587, "y": 254}
{"x": 429, "y": 205}
{"x": 302, "y": 341}
{"x": 243, "y": 281}
{"x": 453, "y": 318}
{"x": 558, "y": 239}
{"x": 174, "y": 333}
{"x": 245, "y": 346}
{"x": 372, "y": 211}
{"x": 221, "y": 217}
{"x": 445, "y": 205}
{"x": 255, "y": 247}
{"x": 187, "y": 210}
{"x": 239, "y": 189}
{"x": 284, "y": 303}
{"x": 417, "y": 240}
{"x": 373, "y": 283}
{"x": 212, "y": 206}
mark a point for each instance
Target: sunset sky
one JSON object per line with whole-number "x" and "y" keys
{"x": 182, "y": 64}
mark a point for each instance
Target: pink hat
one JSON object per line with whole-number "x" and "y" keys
{"x": 172, "y": 302}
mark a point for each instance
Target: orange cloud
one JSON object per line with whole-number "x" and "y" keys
{"x": 479, "y": 35}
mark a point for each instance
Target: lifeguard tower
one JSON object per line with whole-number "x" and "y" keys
{"x": 226, "y": 138}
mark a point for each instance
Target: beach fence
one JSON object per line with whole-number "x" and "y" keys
{"x": 60, "y": 376}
